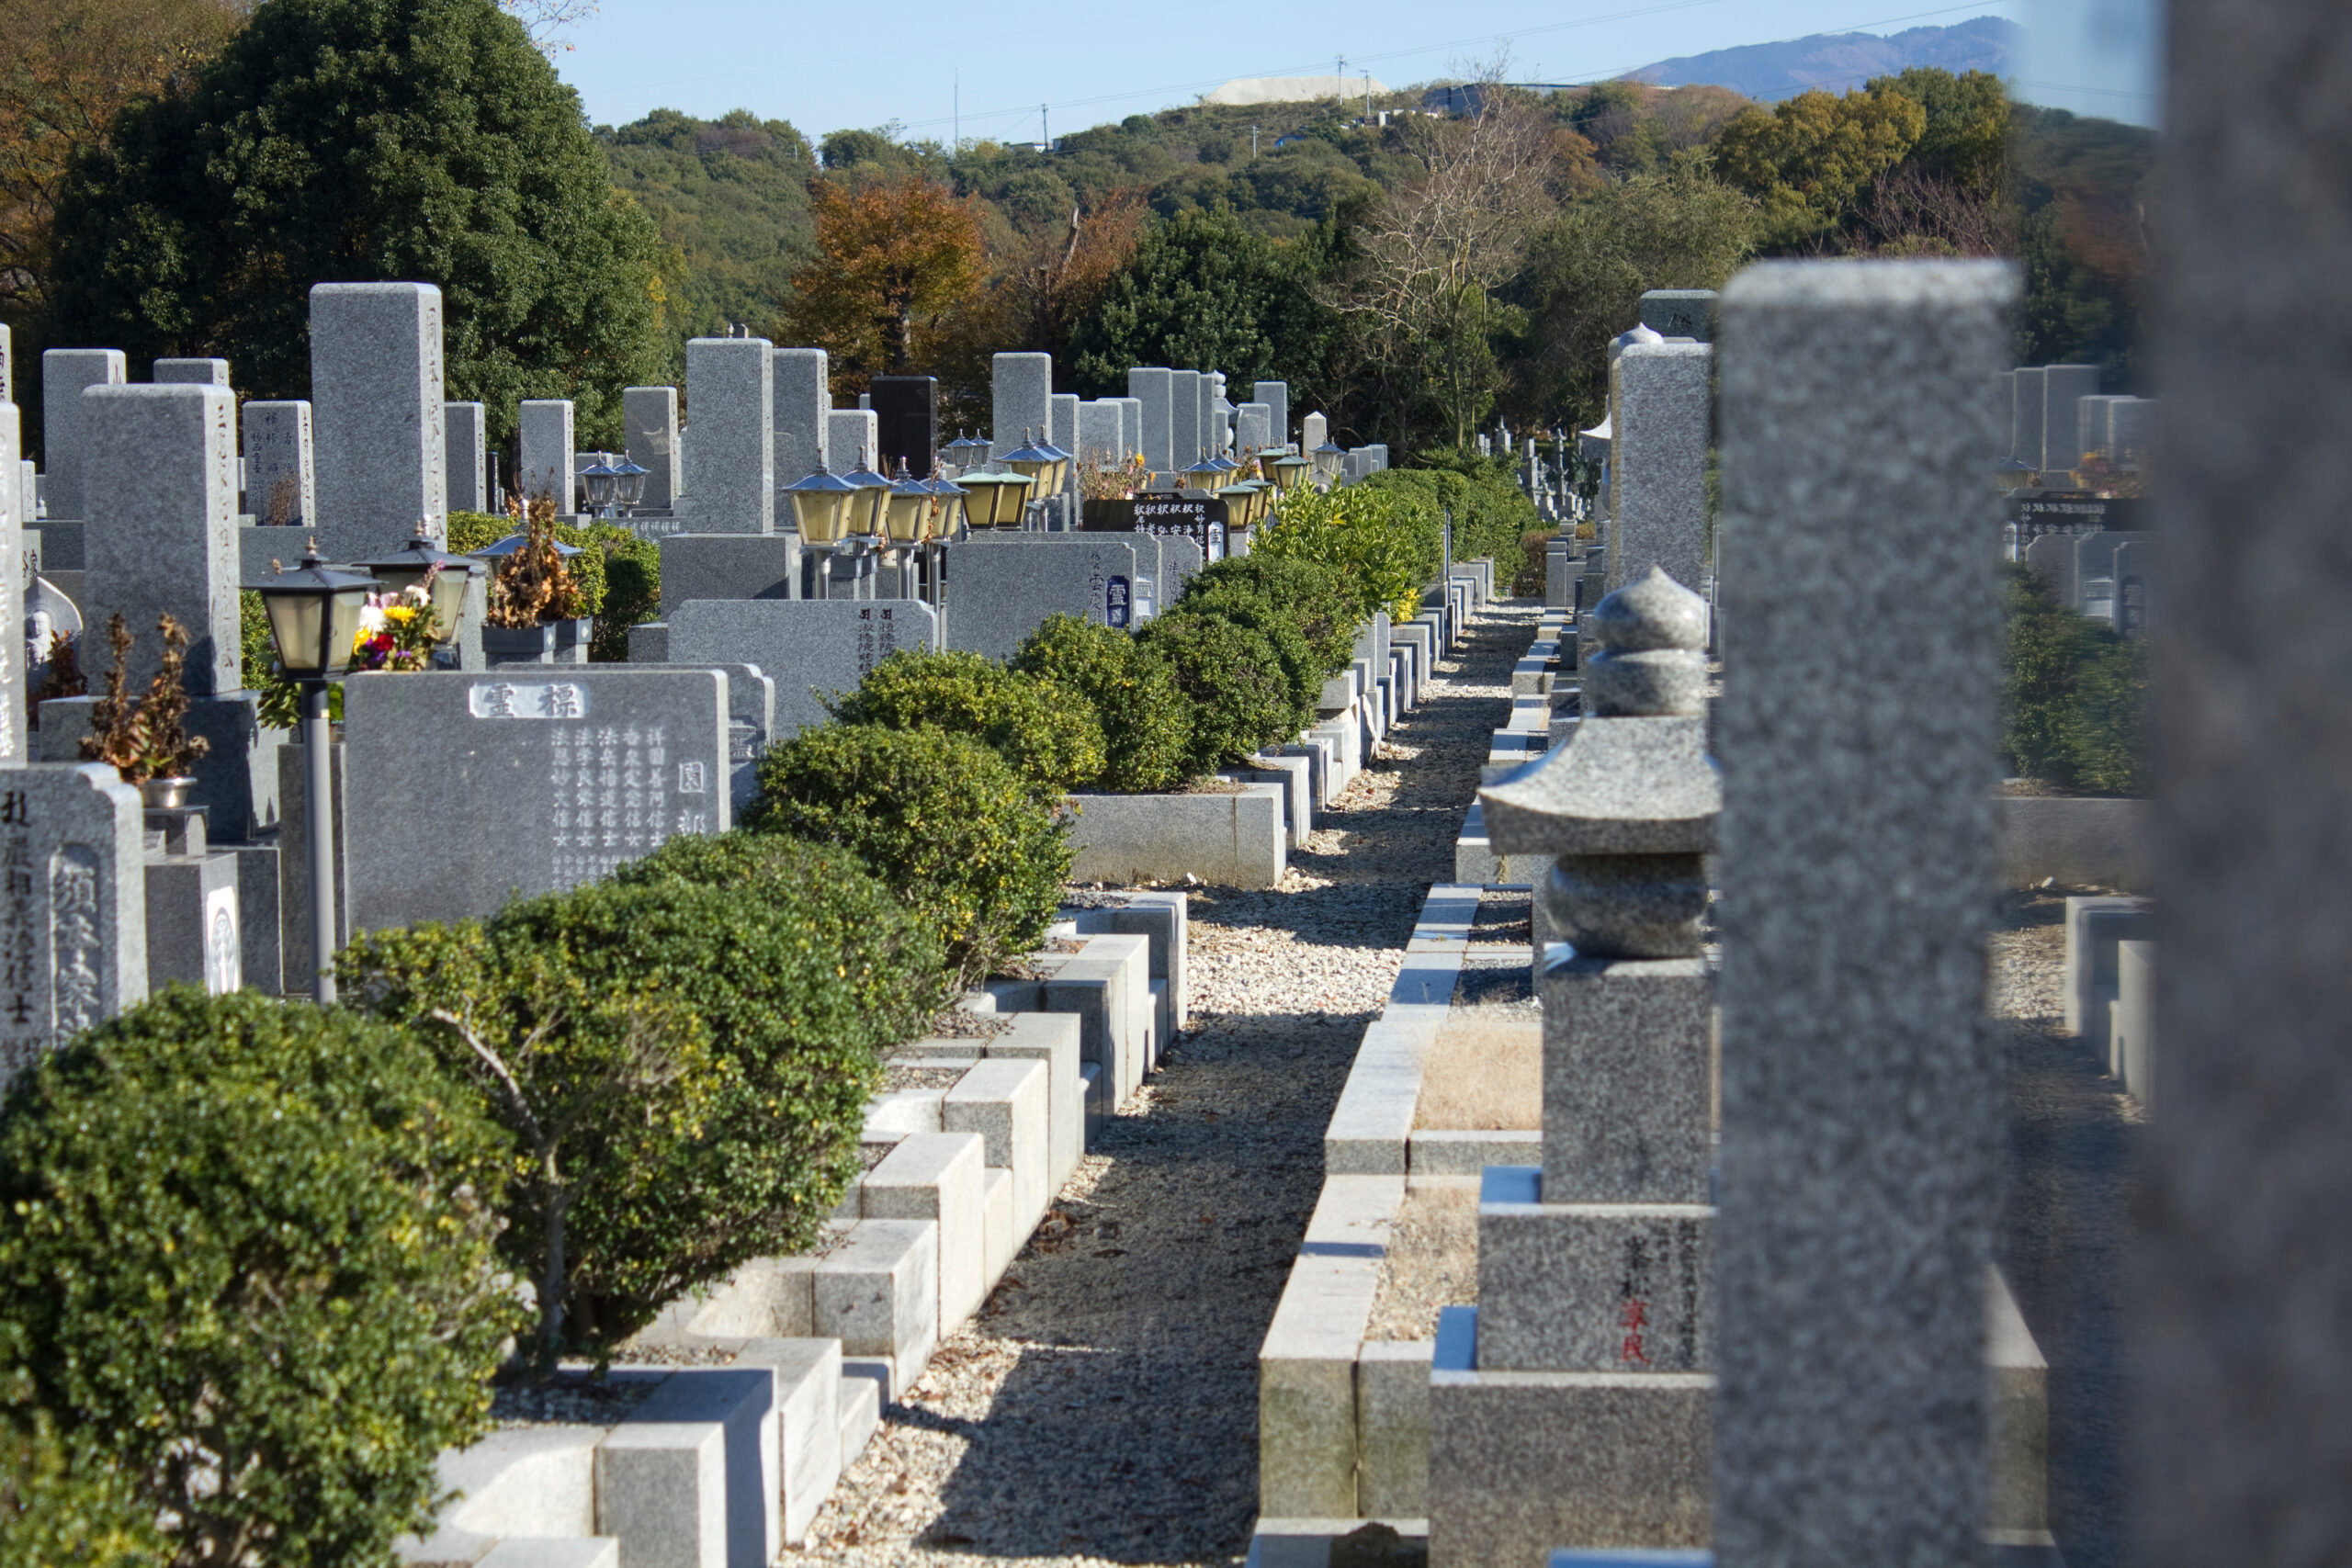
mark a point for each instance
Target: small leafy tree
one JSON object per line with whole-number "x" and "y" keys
{"x": 681, "y": 1058}
{"x": 897, "y": 263}
{"x": 1379, "y": 542}
{"x": 246, "y": 1247}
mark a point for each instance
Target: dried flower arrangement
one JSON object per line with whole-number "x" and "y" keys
{"x": 144, "y": 738}
{"x": 533, "y": 586}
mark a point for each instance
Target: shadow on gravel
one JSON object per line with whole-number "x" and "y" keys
{"x": 1128, "y": 1427}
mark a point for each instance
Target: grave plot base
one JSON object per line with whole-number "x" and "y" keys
{"x": 1322, "y": 1543}
{"x": 1231, "y": 840}
{"x": 1521, "y": 1462}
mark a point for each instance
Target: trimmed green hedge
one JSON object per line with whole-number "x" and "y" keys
{"x": 705, "y": 1029}
{"x": 942, "y": 819}
{"x": 2074, "y": 696}
{"x": 246, "y": 1250}
{"x": 1489, "y": 510}
{"x": 1146, "y": 723}
{"x": 1047, "y": 734}
{"x": 1314, "y": 595}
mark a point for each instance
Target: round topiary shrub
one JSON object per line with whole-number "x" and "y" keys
{"x": 691, "y": 1046}
{"x": 1315, "y": 595}
{"x": 1241, "y": 702}
{"x": 1047, "y": 734}
{"x": 1146, "y": 724}
{"x": 246, "y": 1248}
{"x": 939, "y": 817}
{"x": 1302, "y": 671}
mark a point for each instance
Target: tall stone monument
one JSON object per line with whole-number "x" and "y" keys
{"x": 376, "y": 399}
{"x": 64, "y": 372}
{"x": 650, "y": 421}
{"x": 2243, "y": 1279}
{"x": 1857, "y": 732}
{"x": 1660, "y": 471}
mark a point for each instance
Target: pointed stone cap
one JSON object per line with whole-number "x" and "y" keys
{"x": 1620, "y": 786}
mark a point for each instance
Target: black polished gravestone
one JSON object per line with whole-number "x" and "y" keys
{"x": 906, "y": 416}
{"x": 2039, "y": 512}
{"x": 1203, "y": 522}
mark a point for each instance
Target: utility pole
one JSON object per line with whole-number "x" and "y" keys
{"x": 1339, "y": 81}
{"x": 1045, "y": 128}
{"x": 1253, "y": 141}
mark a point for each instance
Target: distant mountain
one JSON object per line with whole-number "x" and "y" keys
{"x": 1841, "y": 62}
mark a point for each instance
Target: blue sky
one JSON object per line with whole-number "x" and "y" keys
{"x": 830, "y": 67}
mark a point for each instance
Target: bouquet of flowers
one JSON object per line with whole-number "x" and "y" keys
{"x": 397, "y": 631}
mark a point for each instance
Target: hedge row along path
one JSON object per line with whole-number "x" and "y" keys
{"x": 1103, "y": 1406}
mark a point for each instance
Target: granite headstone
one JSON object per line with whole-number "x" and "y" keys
{"x": 376, "y": 401}
{"x": 809, "y": 648}
{"x": 650, "y": 431}
{"x": 554, "y": 777}
{"x": 730, "y": 462}
{"x": 65, "y": 373}
{"x": 73, "y": 912}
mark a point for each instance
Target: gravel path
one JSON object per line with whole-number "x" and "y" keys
{"x": 1103, "y": 1406}
{"x": 2065, "y": 1223}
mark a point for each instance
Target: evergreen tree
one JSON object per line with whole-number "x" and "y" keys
{"x": 368, "y": 141}
{"x": 1202, "y": 293}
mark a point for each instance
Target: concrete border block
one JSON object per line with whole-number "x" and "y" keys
{"x": 661, "y": 1492}
{"x": 861, "y": 1417}
{"x": 740, "y": 1400}
{"x": 1053, "y": 1039}
{"x": 1393, "y": 1428}
{"x": 878, "y": 1292}
{"x": 1235, "y": 841}
{"x": 1306, "y": 1367}
{"x": 937, "y": 1177}
{"x": 1003, "y": 1099}
{"x": 532, "y": 1552}
{"x": 807, "y": 1385}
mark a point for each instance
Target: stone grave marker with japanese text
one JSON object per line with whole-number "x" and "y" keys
{"x": 462, "y": 790}
{"x": 73, "y": 906}
{"x": 809, "y": 648}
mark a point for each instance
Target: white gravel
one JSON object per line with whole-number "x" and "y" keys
{"x": 1103, "y": 1406}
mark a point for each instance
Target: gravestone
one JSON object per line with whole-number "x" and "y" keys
{"x": 1210, "y": 385}
{"x": 729, "y": 566}
{"x": 1200, "y": 521}
{"x": 2241, "y": 1280}
{"x": 65, "y": 373}
{"x": 2135, "y": 571}
{"x": 466, "y": 463}
{"x": 20, "y": 644}
{"x": 1151, "y": 386}
{"x": 543, "y": 447}
{"x": 2130, "y": 427}
{"x": 1253, "y": 428}
{"x": 2065, "y": 387}
{"x": 1660, "y": 472}
{"x": 550, "y": 778}
{"x": 376, "y": 398}
{"x": 730, "y": 463}
{"x": 751, "y": 719}
{"x": 1860, "y": 1087}
{"x": 650, "y": 428}
{"x": 2091, "y": 423}
{"x": 2029, "y": 391}
{"x": 999, "y": 590}
{"x": 1314, "y": 430}
{"x": 1062, "y": 431}
{"x": 906, "y": 409}
{"x": 1185, "y": 433}
{"x": 803, "y": 396}
{"x": 1021, "y": 400}
{"x": 2051, "y": 557}
{"x": 1680, "y": 312}
{"x": 73, "y": 915}
{"x": 1099, "y": 443}
{"x": 810, "y": 648}
{"x": 191, "y": 372}
{"x": 1276, "y": 395}
{"x": 162, "y": 536}
{"x": 854, "y": 437}
{"x": 1130, "y": 427}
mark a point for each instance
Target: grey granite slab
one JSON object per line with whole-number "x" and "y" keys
{"x": 375, "y": 405}
{"x": 74, "y": 922}
{"x": 810, "y": 648}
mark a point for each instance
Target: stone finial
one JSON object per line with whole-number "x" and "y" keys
{"x": 1629, "y": 803}
{"x": 1647, "y": 659}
